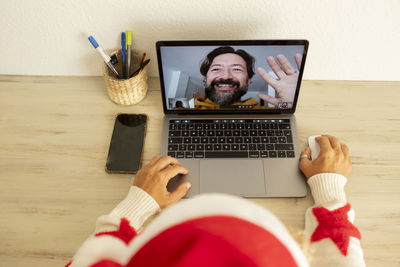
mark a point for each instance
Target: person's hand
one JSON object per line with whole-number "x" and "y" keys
{"x": 333, "y": 158}
{"x": 153, "y": 178}
{"x": 285, "y": 86}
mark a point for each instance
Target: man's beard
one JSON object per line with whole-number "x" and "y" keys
{"x": 225, "y": 99}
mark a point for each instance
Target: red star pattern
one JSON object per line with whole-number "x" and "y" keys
{"x": 336, "y": 226}
{"x": 125, "y": 233}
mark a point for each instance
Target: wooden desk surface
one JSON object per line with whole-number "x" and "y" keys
{"x": 54, "y": 138}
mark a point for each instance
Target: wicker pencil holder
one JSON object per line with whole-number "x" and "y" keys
{"x": 126, "y": 91}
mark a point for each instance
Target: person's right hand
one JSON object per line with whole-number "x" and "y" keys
{"x": 285, "y": 85}
{"x": 333, "y": 158}
{"x": 154, "y": 177}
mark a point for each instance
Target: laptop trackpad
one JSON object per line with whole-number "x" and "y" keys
{"x": 239, "y": 177}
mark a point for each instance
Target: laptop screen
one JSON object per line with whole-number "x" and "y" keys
{"x": 255, "y": 76}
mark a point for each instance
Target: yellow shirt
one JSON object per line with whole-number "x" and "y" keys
{"x": 208, "y": 104}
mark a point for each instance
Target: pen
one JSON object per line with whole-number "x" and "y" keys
{"x": 128, "y": 52}
{"x": 123, "y": 55}
{"x": 106, "y": 58}
{"x": 140, "y": 67}
{"x": 142, "y": 59}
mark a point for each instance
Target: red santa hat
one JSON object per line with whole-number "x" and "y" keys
{"x": 216, "y": 230}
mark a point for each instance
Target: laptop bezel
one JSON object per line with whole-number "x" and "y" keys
{"x": 160, "y": 44}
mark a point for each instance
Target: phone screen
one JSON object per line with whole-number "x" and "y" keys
{"x": 125, "y": 152}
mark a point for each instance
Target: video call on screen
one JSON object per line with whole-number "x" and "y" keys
{"x": 227, "y": 77}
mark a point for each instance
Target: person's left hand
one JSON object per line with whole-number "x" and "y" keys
{"x": 285, "y": 86}
{"x": 154, "y": 177}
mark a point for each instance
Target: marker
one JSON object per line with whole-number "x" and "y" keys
{"x": 129, "y": 51}
{"x": 106, "y": 58}
{"x": 140, "y": 67}
{"x": 123, "y": 55}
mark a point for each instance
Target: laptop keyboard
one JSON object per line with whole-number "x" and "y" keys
{"x": 243, "y": 138}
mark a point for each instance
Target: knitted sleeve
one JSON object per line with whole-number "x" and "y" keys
{"x": 333, "y": 238}
{"x": 116, "y": 230}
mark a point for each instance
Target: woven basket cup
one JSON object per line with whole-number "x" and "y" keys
{"x": 126, "y": 91}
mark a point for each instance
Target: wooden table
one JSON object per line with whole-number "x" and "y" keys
{"x": 54, "y": 138}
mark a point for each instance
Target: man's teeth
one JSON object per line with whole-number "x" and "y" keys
{"x": 225, "y": 85}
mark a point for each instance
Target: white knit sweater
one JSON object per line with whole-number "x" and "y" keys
{"x": 328, "y": 224}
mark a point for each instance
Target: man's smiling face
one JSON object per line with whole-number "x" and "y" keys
{"x": 227, "y": 79}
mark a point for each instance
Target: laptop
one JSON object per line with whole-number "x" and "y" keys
{"x": 229, "y": 115}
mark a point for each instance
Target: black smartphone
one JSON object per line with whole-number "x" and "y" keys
{"x": 126, "y": 146}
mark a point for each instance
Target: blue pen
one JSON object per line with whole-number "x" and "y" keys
{"x": 106, "y": 58}
{"x": 123, "y": 55}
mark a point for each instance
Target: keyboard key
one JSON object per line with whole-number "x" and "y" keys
{"x": 196, "y": 140}
{"x": 213, "y": 140}
{"x": 252, "y": 147}
{"x": 208, "y": 147}
{"x": 281, "y": 154}
{"x": 191, "y": 147}
{"x": 272, "y": 154}
{"x": 230, "y": 140}
{"x": 180, "y": 154}
{"x": 290, "y": 154}
{"x": 199, "y": 155}
{"x": 172, "y": 147}
{"x": 235, "y": 147}
{"x": 260, "y": 147}
{"x": 287, "y": 133}
{"x": 263, "y": 154}
{"x": 204, "y": 140}
{"x": 282, "y": 140}
{"x": 187, "y": 140}
{"x": 273, "y": 140}
{"x": 243, "y": 147}
{"x": 188, "y": 155}
{"x": 199, "y": 147}
{"x": 284, "y": 147}
{"x": 256, "y": 140}
{"x": 269, "y": 146}
{"x": 226, "y": 147}
{"x": 171, "y": 154}
{"x": 238, "y": 140}
{"x": 217, "y": 147}
{"x": 254, "y": 154}
{"x": 227, "y": 154}
{"x": 175, "y": 140}
{"x": 284, "y": 126}
{"x": 182, "y": 147}
{"x": 221, "y": 140}
{"x": 174, "y": 133}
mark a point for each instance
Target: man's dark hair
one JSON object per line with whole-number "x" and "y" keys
{"x": 205, "y": 65}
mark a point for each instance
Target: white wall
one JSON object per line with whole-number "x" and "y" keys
{"x": 349, "y": 39}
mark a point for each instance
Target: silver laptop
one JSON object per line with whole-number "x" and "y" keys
{"x": 229, "y": 114}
